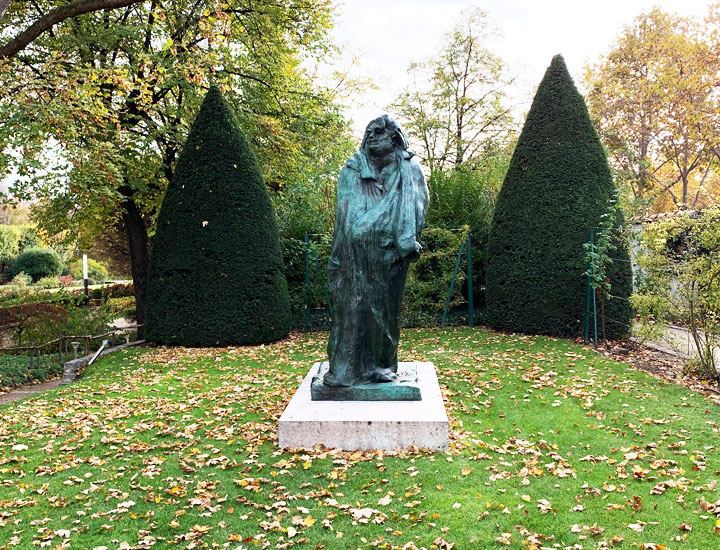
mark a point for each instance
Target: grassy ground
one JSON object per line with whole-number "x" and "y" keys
{"x": 552, "y": 446}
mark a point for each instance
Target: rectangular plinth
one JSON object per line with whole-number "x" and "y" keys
{"x": 363, "y": 425}
{"x": 404, "y": 388}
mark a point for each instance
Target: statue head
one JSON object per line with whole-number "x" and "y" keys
{"x": 383, "y": 135}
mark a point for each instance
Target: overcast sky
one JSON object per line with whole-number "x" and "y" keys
{"x": 387, "y": 35}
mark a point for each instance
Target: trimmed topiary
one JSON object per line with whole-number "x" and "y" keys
{"x": 558, "y": 185}
{"x": 216, "y": 268}
{"x": 38, "y": 263}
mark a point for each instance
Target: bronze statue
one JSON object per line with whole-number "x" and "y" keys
{"x": 382, "y": 202}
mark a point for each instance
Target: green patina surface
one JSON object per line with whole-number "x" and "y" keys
{"x": 404, "y": 388}
{"x": 382, "y": 202}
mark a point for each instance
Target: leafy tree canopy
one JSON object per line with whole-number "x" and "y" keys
{"x": 93, "y": 113}
{"x": 455, "y": 109}
{"x": 654, "y": 98}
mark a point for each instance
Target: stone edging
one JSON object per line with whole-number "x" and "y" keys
{"x": 72, "y": 368}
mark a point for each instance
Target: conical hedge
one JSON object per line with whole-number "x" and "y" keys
{"x": 216, "y": 269}
{"x": 557, "y": 186}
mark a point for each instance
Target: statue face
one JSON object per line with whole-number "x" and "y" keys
{"x": 379, "y": 140}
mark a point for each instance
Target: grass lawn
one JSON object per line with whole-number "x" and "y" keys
{"x": 552, "y": 446}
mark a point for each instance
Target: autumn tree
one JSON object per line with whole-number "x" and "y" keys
{"x": 654, "y": 99}
{"x": 459, "y": 123}
{"x": 46, "y": 21}
{"x": 454, "y": 109}
{"x": 93, "y": 113}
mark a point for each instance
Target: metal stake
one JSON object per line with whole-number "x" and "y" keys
{"x": 452, "y": 283}
{"x": 471, "y": 312}
{"x": 308, "y": 319}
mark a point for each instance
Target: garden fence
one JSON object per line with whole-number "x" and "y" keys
{"x": 66, "y": 347}
{"x": 309, "y": 254}
{"x": 466, "y": 245}
{"x": 592, "y": 289}
{"x": 311, "y": 260}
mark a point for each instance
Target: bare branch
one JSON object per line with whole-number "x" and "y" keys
{"x": 53, "y": 17}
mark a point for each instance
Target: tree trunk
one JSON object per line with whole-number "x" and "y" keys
{"x": 643, "y": 183}
{"x": 139, "y": 257}
{"x": 685, "y": 186}
{"x": 459, "y": 140}
{"x": 3, "y": 7}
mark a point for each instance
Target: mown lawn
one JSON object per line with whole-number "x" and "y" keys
{"x": 552, "y": 446}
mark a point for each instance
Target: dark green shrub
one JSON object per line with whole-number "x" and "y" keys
{"x": 558, "y": 185}
{"x": 15, "y": 239}
{"x": 15, "y": 370}
{"x": 28, "y": 238}
{"x": 8, "y": 249}
{"x": 293, "y": 252}
{"x": 216, "y": 270}
{"x": 38, "y": 263}
{"x": 96, "y": 270}
{"x": 118, "y": 290}
{"x": 429, "y": 278}
{"x": 9, "y": 235}
{"x": 466, "y": 198}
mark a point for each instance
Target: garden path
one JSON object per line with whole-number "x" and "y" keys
{"x": 678, "y": 341}
{"x": 27, "y": 390}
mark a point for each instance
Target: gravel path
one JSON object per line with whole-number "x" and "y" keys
{"x": 27, "y": 390}
{"x": 678, "y": 341}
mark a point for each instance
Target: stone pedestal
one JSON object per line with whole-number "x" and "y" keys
{"x": 363, "y": 425}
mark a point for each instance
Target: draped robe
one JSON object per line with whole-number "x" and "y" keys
{"x": 377, "y": 233}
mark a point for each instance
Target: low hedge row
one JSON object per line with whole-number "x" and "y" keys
{"x": 15, "y": 370}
